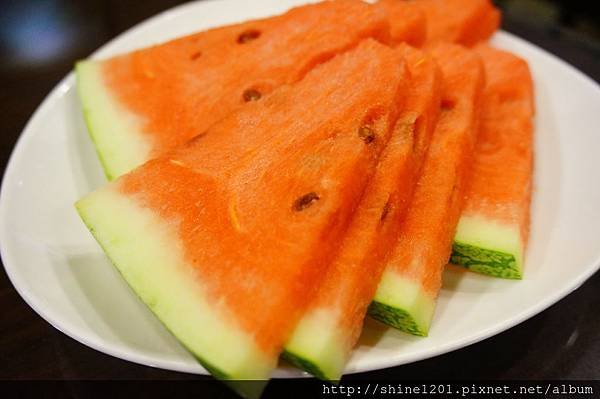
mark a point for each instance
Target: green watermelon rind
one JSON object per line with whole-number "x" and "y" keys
{"x": 304, "y": 363}
{"x": 209, "y": 367}
{"x": 318, "y": 345}
{"x": 402, "y": 303}
{"x": 400, "y": 319}
{"x": 120, "y": 226}
{"x": 485, "y": 246}
{"x": 115, "y": 132}
{"x": 485, "y": 261}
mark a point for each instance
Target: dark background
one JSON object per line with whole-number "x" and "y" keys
{"x": 39, "y": 41}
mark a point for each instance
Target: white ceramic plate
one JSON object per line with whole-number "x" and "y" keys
{"x": 63, "y": 275}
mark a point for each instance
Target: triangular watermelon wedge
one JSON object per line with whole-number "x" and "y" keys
{"x": 142, "y": 104}
{"x": 408, "y": 289}
{"x": 323, "y": 340}
{"x": 226, "y": 237}
{"x": 492, "y": 233}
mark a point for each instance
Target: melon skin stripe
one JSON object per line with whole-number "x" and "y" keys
{"x": 323, "y": 340}
{"x": 487, "y": 247}
{"x": 113, "y": 219}
{"x": 407, "y": 292}
{"x": 486, "y": 261}
{"x": 492, "y": 233}
{"x": 402, "y": 304}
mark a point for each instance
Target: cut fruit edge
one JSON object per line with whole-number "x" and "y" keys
{"x": 489, "y": 247}
{"x": 116, "y": 133}
{"x": 160, "y": 270}
{"x": 481, "y": 245}
{"x": 327, "y": 322}
{"x": 403, "y": 304}
{"x": 323, "y": 354}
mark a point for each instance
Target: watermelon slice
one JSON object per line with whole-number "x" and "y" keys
{"x": 224, "y": 237}
{"x": 407, "y": 21}
{"x": 405, "y": 298}
{"x": 493, "y": 229}
{"x": 142, "y": 104}
{"x": 325, "y": 336}
{"x": 465, "y": 22}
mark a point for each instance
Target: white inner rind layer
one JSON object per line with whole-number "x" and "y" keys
{"x": 148, "y": 253}
{"x": 485, "y": 233}
{"x": 406, "y": 294}
{"x": 318, "y": 341}
{"x": 115, "y": 131}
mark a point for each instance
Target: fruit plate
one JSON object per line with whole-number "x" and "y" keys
{"x": 60, "y": 271}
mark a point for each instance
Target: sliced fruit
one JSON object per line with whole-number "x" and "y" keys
{"x": 465, "y": 22}
{"x": 141, "y": 104}
{"x": 407, "y": 21}
{"x": 323, "y": 340}
{"x": 225, "y": 237}
{"x": 406, "y": 295}
{"x": 493, "y": 229}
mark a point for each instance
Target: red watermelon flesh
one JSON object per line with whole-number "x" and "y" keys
{"x": 226, "y": 237}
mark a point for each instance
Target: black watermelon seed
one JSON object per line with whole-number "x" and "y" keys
{"x": 248, "y": 36}
{"x": 252, "y": 95}
{"x": 367, "y": 134}
{"x": 385, "y": 211}
{"x": 305, "y": 201}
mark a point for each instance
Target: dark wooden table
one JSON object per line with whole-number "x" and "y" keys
{"x": 39, "y": 40}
